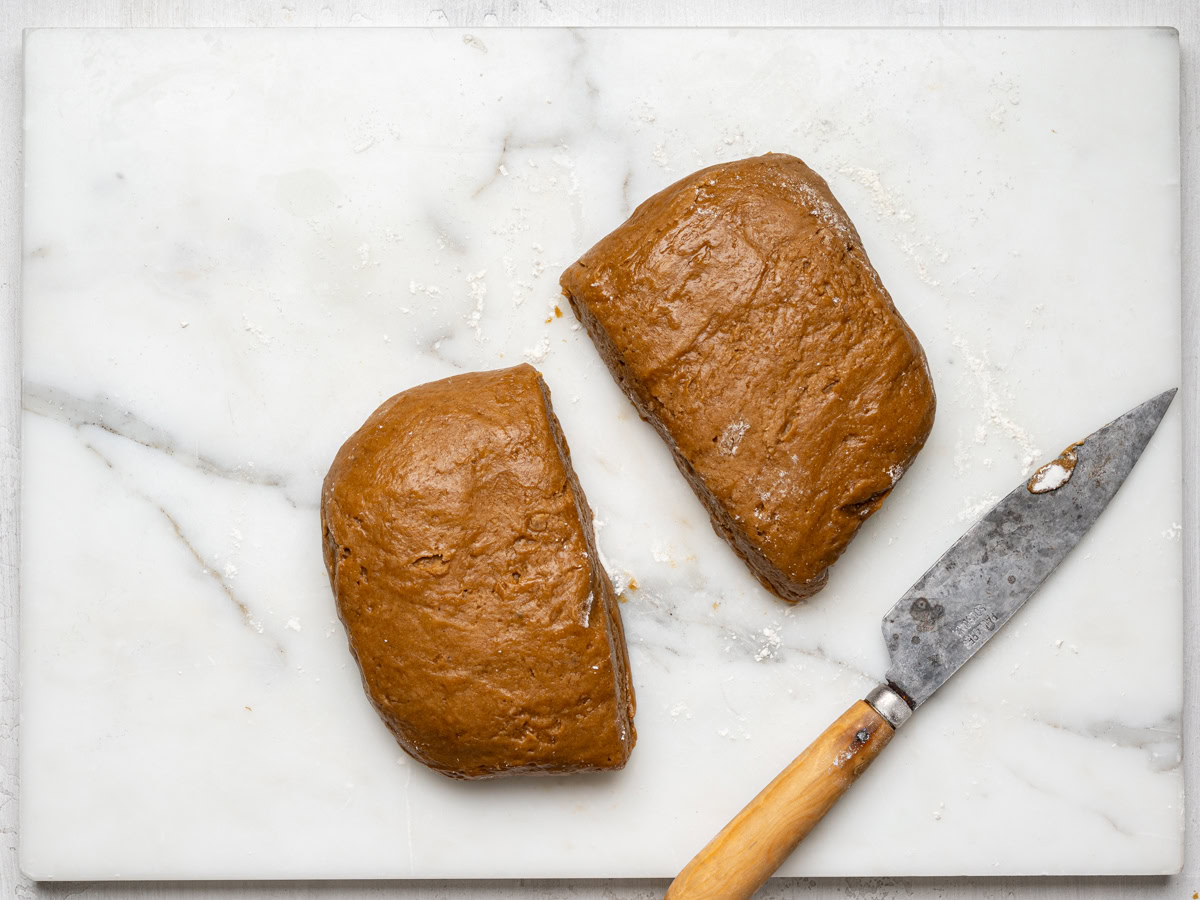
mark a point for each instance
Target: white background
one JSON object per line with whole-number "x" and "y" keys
{"x": 13, "y": 17}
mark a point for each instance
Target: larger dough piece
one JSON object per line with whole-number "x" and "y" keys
{"x": 460, "y": 550}
{"x": 738, "y": 310}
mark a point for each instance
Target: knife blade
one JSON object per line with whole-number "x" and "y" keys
{"x": 942, "y": 621}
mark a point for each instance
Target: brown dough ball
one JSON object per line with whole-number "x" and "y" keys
{"x": 461, "y": 554}
{"x": 738, "y": 310}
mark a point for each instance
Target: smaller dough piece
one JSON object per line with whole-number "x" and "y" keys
{"x": 463, "y": 563}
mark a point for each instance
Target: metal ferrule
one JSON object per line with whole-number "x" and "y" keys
{"x": 889, "y": 704}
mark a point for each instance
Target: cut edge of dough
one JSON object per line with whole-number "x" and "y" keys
{"x": 614, "y": 629}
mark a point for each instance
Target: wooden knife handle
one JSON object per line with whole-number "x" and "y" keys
{"x": 739, "y": 860}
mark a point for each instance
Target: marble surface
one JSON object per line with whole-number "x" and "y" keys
{"x": 238, "y": 243}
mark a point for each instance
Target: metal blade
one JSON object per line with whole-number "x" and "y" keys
{"x": 991, "y": 571}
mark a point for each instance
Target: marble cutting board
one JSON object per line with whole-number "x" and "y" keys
{"x": 237, "y": 243}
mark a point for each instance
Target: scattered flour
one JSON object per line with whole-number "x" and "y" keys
{"x": 520, "y": 289}
{"x": 563, "y": 160}
{"x": 471, "y": 41}
{"x": 478, "y": 291}
{"x": 429, "y": 290}
{"x": 660, "y": 156}
{"x": 770, "y": 643}
{"x": 364, "y": 256}
{"x": 293, "y": 623}
{"x": 887, "y": 204}
{"x": 821, "y": 207}
{"x": 621, "y": 578}
{"x": 994, "y": 405}
{"x": 249, "y": 326}
{"x": 976, "y": 507}
{"x": 920, "y": 248}
{"x": 1173, "y": 532}
{"x": 680, "y": 709}
{"x": 1006, "y": 95}
{"x": 538, "y": 353}
{"x": 729, "y": 735}
{"x": 731, "y": 437}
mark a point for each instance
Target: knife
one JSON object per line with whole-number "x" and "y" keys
{"x": 939, "y": 624}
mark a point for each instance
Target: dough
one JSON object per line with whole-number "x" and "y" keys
{"x": 461, "y": 554}
{"x": 738, "y": 310}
